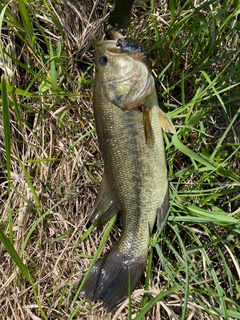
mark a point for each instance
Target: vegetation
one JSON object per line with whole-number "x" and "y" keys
{"x": 50, "y": 164}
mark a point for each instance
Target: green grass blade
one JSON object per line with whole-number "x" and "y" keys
{"x": 37, "y": 222}
{"x": 14, "y": 255}
{"x": 223, "y": 137}
{"x": 150, "y": 304}
{"x": 27, "y": 23}
{"x": 207, "y": 164}
{"x": 172, "y": 10}
{"x": 7, "y": 143}
{"x": 6, "y": 125}
{"x": 148, "y": 274}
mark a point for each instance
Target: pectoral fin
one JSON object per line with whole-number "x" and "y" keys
{"x": 162, "y": 211}
{"x": 166, "y": 123}
{"x": 148, "y": 126}
{"x": 105, "y": 207}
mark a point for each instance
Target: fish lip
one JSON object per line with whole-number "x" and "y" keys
{"x": 109, "y": 45}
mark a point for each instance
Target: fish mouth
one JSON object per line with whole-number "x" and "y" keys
{"x": 107, "y": 45}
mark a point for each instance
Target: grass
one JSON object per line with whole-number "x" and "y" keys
{"x": 50, "y": 164}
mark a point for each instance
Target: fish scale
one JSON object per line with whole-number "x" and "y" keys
{"x": 135, "y": 173}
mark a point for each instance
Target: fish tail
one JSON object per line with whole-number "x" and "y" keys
{"x": 110, "y": 278}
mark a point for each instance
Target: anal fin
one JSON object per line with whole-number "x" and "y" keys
{"x": 105, "y": 207}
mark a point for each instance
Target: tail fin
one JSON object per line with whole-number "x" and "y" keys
{"x": 109, "y": 278}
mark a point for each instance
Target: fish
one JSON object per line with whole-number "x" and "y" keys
{"x": 129, "y": 125}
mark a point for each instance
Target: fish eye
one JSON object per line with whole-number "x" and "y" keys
{"x": 103, "y": 61}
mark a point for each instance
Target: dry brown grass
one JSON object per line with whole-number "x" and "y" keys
{"x": 63, "y": 185}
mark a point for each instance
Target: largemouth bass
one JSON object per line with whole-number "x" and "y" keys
{"x": 129, "y": 126}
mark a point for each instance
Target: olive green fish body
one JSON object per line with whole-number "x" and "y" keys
{"x": 135, "y": 173}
